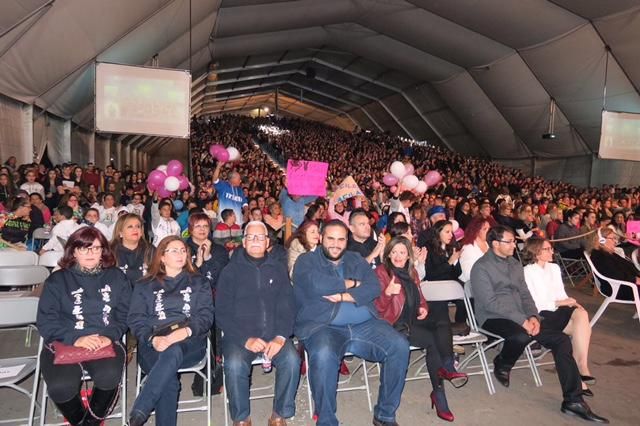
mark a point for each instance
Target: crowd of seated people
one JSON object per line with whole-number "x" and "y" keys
{"x": 350, "y": 263}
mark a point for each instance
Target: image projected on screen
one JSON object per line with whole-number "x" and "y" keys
{"x": 140, "y": 100}
{"x": 620, "y": 137}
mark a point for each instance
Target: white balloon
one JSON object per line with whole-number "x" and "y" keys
{"x": 410, "y": 182}
{"x": 171, "y": 183}
{"x": 162, "y": 168}
{"x": 397, "y": 169}
{"x": 421, "y": 188}
{"x": 454, "y": 225}
{"x": 234, "y": 154}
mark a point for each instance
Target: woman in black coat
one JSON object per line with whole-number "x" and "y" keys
{"x": 84, "y": 304}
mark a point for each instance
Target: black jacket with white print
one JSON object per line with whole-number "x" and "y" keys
{"x": 75, "y": 304}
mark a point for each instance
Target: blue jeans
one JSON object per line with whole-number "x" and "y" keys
{"x": 162, "y": 384}
{"x": 237, "y": 373}
{"x": 374, "y": 340}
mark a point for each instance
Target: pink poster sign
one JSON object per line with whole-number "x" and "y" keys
{"x": 307, "y": 177}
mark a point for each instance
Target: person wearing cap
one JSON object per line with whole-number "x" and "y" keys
{"x": 435, "y": 214}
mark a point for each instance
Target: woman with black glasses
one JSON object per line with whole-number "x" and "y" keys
{"x": 84, "y": 305}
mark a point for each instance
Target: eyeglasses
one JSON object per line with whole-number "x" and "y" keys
{"x": 547, "y": 249}
{"x": 176, "y": 251}
{"x": 254, "y": 237}
{"x": 87, "y": 250}
{"x": 612, "y": 239}
{"x": 508, "y": 242}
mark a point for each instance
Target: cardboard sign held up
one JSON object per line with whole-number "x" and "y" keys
{"x": 307, "y": 177}
{"x": 347, "y": 189}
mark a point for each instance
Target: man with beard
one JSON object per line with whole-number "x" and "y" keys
{"x": 334, "y": 291}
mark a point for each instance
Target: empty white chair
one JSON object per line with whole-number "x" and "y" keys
{"x": 19, "y": 312}
{"x": 18, "y": 258}
{"x": 49, "y": 259}
{"x": 634, "y": 259}
{"x": 20, "y": 276}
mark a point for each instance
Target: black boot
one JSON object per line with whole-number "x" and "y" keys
{"x": 72, "y": 410}
{"x": 101, "y": 404}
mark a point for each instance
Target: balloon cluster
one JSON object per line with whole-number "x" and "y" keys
{"x": 403, "y": 174}
{"x": 168, "y": 178}
{"x": 222, "y": 154}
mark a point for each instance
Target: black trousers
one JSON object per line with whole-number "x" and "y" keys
{"x": 423, "y": 334}
{"x": 438, "y": 321}
{"x": 516, "y": 339}
{"x": 63, "y": 381}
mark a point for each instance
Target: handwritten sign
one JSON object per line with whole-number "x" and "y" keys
{"x": 633, "y": 232}
{"x": 347, "y": 189}
{"x": 307, "y": 177}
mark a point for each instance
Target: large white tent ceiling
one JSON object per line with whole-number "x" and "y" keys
{"x": 476, "y": 76}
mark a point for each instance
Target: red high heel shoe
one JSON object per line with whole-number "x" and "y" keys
{"x": 456, "y": 379}
{"x": 439, "y": 401}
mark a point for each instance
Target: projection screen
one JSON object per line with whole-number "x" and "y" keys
{"x": 142, "y": 100}
{"x": 620, "y": 136}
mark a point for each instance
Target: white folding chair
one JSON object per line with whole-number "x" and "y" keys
{"x": 44, "y": 398}
{"x": 634, "y": 259}
{"x": 18, "y": 258}
{"x": 195, "y": 369}
{"x": 50, "y": 259}
{"x": 17, "y": 312}
{"x": 21, "y": 276}
{"x": 615, "y": 286}
{"x": 344, "y": 385}
{"x": 39, "y": 236}
{"x": 258, "y": 392}
{"x": 440, "y": 291}
{"x": 571, "y": 268}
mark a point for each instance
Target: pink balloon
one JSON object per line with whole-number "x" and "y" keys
{"x": 174, "y": 168}
{"x": 214, "y": 148}
{"x": 375, "y": 185}
{"x": 163, "y": 193}
{"x": 156, "y": 179}
{"x": 432, "y": 178}
{"x": 409, "y": 169}
{"x": 222, "y": 156}
{"x": 458, "y": 234}
{"x": 184, "y": 182}
{"x": 389, "y": 179}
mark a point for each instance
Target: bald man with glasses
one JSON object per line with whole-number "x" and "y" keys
{"x": 505, "y": 307}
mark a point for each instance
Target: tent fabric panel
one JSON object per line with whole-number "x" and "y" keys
{"x": 621, "y": 33}
{"x": 525, "y": 104}
{"x": 516, "y": 24}
{"x": 11, "y": 132}
{"x": 624, "y": 173}
{"x": 420, "y": 130}
{"x": 400, "y": 106}
{"x": 384, "y": 119}
{"x": 81, "y": 146}
{"x": 575, "y": 170}
{"x": 597, "y": 9}
{"x": 572, "y": 68}
{"x": 480, "y": 116}
{"x": 13, "y": 11}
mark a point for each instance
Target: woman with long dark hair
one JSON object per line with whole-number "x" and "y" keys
{"x": 171, "y": 313}
{"x": 401, "y": 304}
{"x": 84, "y": 304}
{"x": 442, "y": 265}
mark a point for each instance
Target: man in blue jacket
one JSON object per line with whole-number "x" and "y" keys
{"x": 254, "y": 303}
{"x": 334, "y": 292}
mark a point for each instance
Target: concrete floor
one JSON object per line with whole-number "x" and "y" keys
{"x": 615, "y": 357}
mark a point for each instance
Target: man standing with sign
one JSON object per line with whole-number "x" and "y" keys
{"x": 305, "y": 181}
{"x": 230, "y": 193}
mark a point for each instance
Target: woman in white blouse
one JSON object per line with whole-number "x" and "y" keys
{"x": 558, "y": 310}
{"x": 474, "y": 245}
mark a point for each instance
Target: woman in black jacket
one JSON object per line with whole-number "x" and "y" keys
{"x": 84, "y": 304}
{"x": 442, "y": 265}
{"x": 611, "y": 264}
{"x": 133, "y": 253}
{"x": 171, "y": 314}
